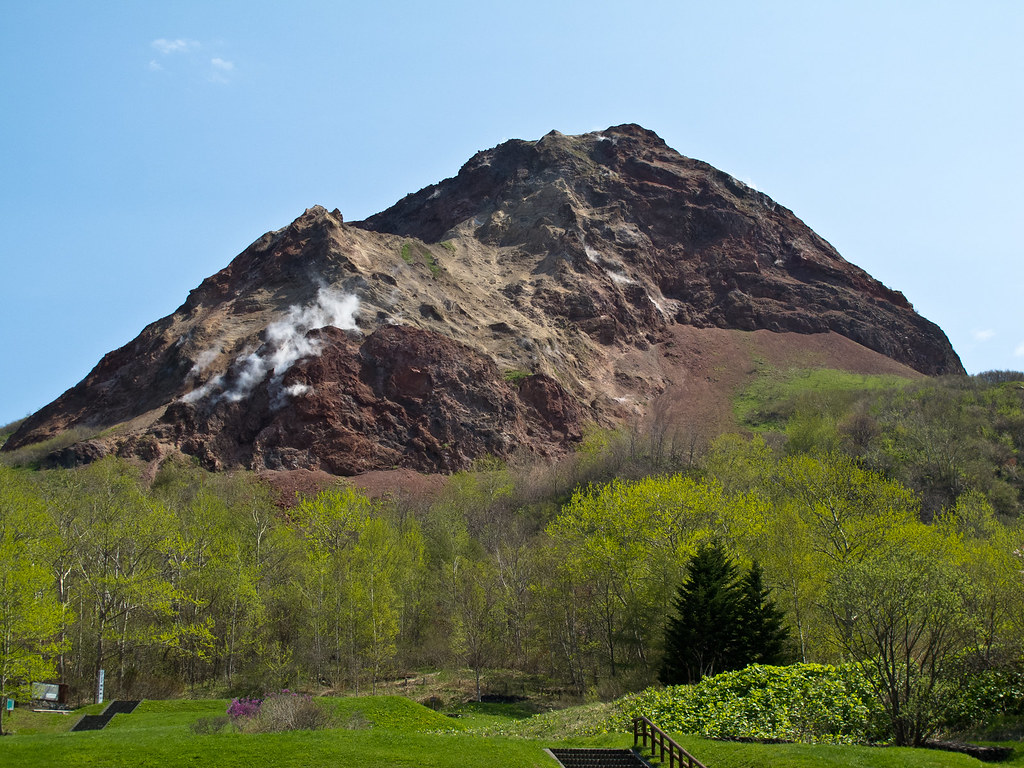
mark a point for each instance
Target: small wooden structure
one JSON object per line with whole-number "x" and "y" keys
{"x": 644, "y": 729}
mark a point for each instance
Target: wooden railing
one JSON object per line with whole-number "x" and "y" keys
{"x": 644, "y": 729}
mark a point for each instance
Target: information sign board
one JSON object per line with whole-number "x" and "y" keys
{"x": 46, "y": 692}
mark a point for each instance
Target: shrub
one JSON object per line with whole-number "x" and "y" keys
{"x": 244, "y": 709}
{"x": 34, "y": 454}
{"x": 987, "y": 697}
{"x": 409, "y": 257}
{"x": 432, "y": 265}
{"x": 9, "y": 429}
{"x": 812, "y": 703}
{"x": 284, "y": 711}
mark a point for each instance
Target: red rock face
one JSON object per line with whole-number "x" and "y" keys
{"x": 402, "y": 397}
{"x": 543, "y": 288}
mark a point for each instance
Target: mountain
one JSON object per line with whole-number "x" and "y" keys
{"x": 551, "y": 285}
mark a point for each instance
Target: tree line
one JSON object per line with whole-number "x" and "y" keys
{"x": 194, "y": 582}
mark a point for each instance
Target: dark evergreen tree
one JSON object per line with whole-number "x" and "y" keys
{"x": 763, "y": 636}
{"x": 702, "y": 639}
{"x": 721, "y": 621}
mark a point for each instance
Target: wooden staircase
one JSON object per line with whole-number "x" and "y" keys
{"x": 597, "y": 758}
{"x": 661, "y": 742}
{"x": 646, "y": 736}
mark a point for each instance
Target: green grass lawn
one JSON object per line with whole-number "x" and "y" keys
{"x": 483, "y": 716}
{"x": 389, "y": 731}
{"x": 720, "y": 754}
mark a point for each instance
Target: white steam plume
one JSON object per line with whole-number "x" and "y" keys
{"x": 206, "y": 357}
{"x": 286, "y": 344}
{"x": 618, "y": 277}
{"x": 203, "y": 391}
{"x": 297, "y": 390}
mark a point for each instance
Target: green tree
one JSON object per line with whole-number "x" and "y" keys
{"x": 740, "y": 465}
{"x": 625, "y": 546}
{"x": 198, "y": 567}
{"x": 908, "y": 629}
{"x": 722, "y": 620}
{"x": 121, "y": 541}
{"x": 60, "y": 491}
{"x": 474, "y": 632}
{"x": 359, "y": 565}
{"x": 329, "y": 525}
{"x": 845, "y": 514}
{"x": 764, "y": 637}
{"x": 702, "y": 638}
{"x": 374, "y": 598}
{"x": 30, "y": 616}
{"x": 777, "y": 535}
{"x": 261, "y": 560}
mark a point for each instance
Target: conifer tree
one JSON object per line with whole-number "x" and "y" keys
{"x": 721, "y": 621}
{"x": 702, "y": 638}
{"x": 763, "y": 636}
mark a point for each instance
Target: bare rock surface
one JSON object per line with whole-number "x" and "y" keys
{"x": 551, "y": 284}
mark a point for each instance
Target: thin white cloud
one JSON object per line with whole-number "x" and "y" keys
{"x": 984, "y": 335}
{"x": 186, "y": 53}
{"x": 220, "y": 70}
{"x": 1019, "y": 351}
{"x": 165, "y": 46}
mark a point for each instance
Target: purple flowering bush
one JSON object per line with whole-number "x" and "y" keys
{"x": 282, "y": 711}
{"x": 244, "y": 708}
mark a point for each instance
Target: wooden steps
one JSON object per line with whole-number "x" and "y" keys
{"x": 597, "y": 758}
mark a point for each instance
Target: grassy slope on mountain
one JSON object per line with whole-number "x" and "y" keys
{"x": 941, "y": 437}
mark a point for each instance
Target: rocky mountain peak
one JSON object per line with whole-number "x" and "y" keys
{"x": 549, "y": 284}
{"x": 708, "y": 249}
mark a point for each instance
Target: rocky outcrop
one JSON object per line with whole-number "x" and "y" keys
{"x": 403, "y": 397}
{"x": 545, "y": 287}
{"x": 676, "y": 237}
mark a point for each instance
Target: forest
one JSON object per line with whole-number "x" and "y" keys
{"x": 883, "y": 516}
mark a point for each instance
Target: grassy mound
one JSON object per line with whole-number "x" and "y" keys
{"x": 381, "y": 731}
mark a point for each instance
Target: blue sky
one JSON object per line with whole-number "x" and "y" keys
{"x": 145, "y": 144}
